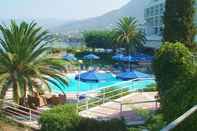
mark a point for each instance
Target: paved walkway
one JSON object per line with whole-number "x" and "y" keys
{"x": 111, "y": 110}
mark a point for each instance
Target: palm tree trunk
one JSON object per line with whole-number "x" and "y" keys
{"x": 15, "y": 90}
{"x": 25, "y": 98}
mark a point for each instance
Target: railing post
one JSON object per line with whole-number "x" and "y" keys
{"x": 121, "y": 91}
{"x": 156, "y": 104}
{"x": 104, "y": 96}
{"x": 87, "y": 103}
{"x": 77, "y": 108}
{"x": 121, "y": 109}
{"x": 78, "y": 101}
{"x": 30, "y": 115}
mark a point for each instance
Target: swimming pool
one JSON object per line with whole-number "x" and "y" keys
{"x": 75, "y": 85}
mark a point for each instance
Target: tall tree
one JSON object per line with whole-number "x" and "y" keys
{"x": 179, "y": 22}
{"x": 128, "y": 34}
{"x": 24, "y": 60}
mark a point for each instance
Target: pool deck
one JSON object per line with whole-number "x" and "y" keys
{"x": 111, "y": 110}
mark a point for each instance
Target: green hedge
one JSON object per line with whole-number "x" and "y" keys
{"x": 65, "y": 118}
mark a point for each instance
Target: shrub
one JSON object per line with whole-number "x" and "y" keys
{"x": 60, "y": 118}
{"x": 65, "y": 118}
{"x": 176, "y": 81}
{"x": 94, "y": 125}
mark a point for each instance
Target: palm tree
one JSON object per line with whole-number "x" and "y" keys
{"x": 128, "y": 34}
{"x": 24, "y": 60}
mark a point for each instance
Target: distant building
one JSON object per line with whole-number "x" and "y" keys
{"x": 153, "y": 15}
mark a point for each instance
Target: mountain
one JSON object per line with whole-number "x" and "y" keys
{"x": 47, "y": 23}
{"x": 134, "y": 8}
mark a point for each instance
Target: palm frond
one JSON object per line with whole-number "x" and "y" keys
{"x": 23, "y": 53}
{"x": 128, "y": 34}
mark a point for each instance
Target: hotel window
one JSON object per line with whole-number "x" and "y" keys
{"x": 156, "y": 10}
{"x": 160, "y": 31}
{"x": 156, "y": 21}
{"x": 152, "y": 11}
{"x": 147, "y": 12}
{"x": 156, "y": 30}
{"x": 161, "y": 8}
{"x": 160, "y": 21}
{"x": 151, "y": 22}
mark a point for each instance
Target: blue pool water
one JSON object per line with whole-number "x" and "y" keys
{"x": 73, "y": 85}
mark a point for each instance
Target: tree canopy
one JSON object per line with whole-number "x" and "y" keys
{"x": 98, "y": 39}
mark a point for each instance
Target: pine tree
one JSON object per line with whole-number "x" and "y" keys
{"x": 179, "y": 22}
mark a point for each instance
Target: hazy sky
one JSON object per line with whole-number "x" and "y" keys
{"x": 59, "y": 9}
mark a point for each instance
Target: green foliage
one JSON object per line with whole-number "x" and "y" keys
{"x": 99, "y": 39}
{"x": 127, "y": 33}
{"x": 134, "y": 129}
{"x": 176, "y": 80}
{"x": 189, "y": 123}
{"x": 24, "y": 59}
{"x": 60, "y": 118}
{"x": 179, "y": 22}
{"x": 156, "y": 123}
{"x": 65, "y": 118}
{"x": 94, "y": 125}
{"x": 172, "y": 62}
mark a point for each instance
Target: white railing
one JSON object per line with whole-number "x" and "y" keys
{"x": 18, "y": 112}
{"x": 179, "y": 120}
{"x": 105, "y": 95}
{"x": 102, "y": 98}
